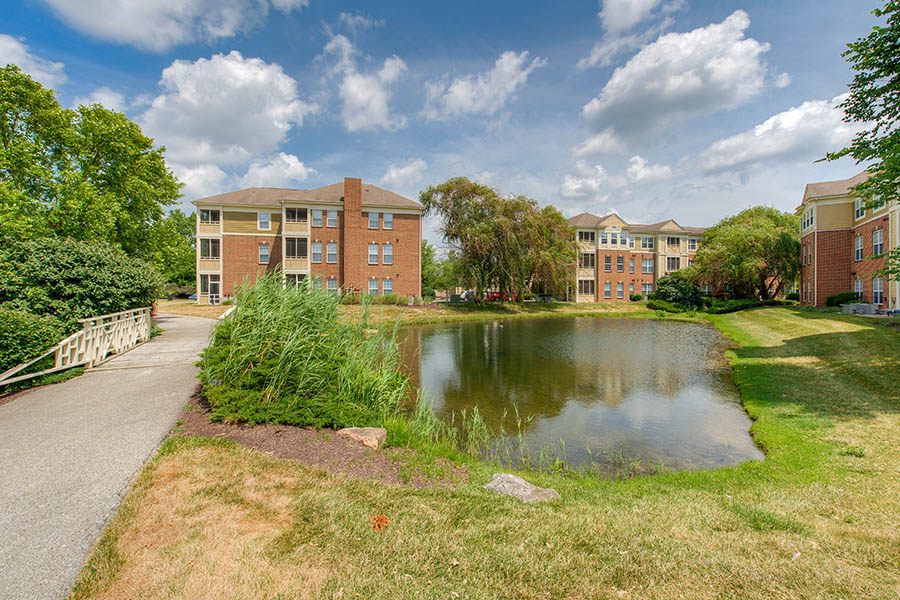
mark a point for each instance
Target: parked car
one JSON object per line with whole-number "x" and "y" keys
{"x": 192, "y": 296}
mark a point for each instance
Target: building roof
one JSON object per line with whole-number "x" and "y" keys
{"x": 261, "y": 196}
{"x": 589, "y": 221}
{"x": 833, "y": 188}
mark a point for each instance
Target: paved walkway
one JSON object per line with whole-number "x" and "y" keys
{"x": 68, "y": 453}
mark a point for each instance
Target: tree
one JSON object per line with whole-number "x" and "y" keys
{"x": 874, "y": 102}
{"x": 504, "y": 243}
{"x": 174, "y": 248}
{"x": 679, "y": 287}
{"x": 88, "y": 174}
{"x": 757, "y": 251}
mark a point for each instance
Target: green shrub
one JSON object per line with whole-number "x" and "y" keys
{"x": 284, "y": 357}
{"x": 677, "y": 288}
{"x": 662, "y": 305}
{"x": 72, "y": 280}
{"x": 24, "y": 336}
{"x": 843, "y": 298}
{"x": 795, "y": 296}
{"x": 636, "y": 297}
{"x": 399, "y": 299}
{"x": 726, "y": 306}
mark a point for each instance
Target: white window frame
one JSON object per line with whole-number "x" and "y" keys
{"x": 646, "y": 289}
{"x": 620, "y": 289}
{"x": 858, "y": 288}
{"x": 692, "y": 244}
{"x": 296, "y": 218}
{"x": 298, "y": 243}
{"x": 631, "y": 265}
{"x": 312, "y": 252}
{"x": 878, "y": 242}
{"x": 387, "y": 286}
{"x": 613, "y": 238}
{"x": 328, "y": 253}
{"x": 208, "y": 242}
{"x": 858, "y": 248}
{"x": 371, "y": 215}
{"x": 583, "y": 263}
{"x": 387, "y": 254}
{"x": 604, "y": 238}
{"x": 331, "y": 284}
{"x": 316, "y": 217}
{"x": 587, "y": 236}
{"x": 582, "y": 284}
{"x": 860, "y": 209}
{"x": 647, "y": 265}
{"x": 370, "y": 290}
{"x": 631, "y": 289}
{"x": 387, "y": 220}
{"x": 267, "y": 255}
{"x": 646, "y": 243}
{"x": 373, "y": 254}
{"x": 607, "y": 289}
{"x": 669, "y": 259}
{"x": 669, "y": 241}
{"x": 878, "y": 291}
{"x": 207, "y": 212}
{"x": 264, "y": 217}
{"x": 620, "y": 264}
{"x": 331, "y": 218}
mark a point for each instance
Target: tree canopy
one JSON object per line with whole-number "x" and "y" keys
{"x": 757, "y": 251}
{"x": 874, "y": 103}
{"x": 509, "y": 244}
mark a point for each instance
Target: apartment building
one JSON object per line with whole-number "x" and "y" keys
{"x": 617, "y": 259}
{"x": 841, "y": 242}
{"x": 353, "y": 235}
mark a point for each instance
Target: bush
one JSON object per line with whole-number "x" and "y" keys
{"x": 843, "y": 298}
{"x": 399, "y": 299}
{"x": 24, "y": 336}
{"x": 670, "y": 307}
{"x": 284, "y": 357}
{"x": 679, "y": 289}
{"x": 178, "y": 291}
{"x": 636, "y": 297}
{"x": 727, "y": 306}
{"x": 72, "y": 280}
{"x": 795, "y": 296}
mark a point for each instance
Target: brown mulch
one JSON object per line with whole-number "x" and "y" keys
{"x": 323, "y": 449}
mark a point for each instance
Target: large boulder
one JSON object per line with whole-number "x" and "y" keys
{"x": 371, "y": 437}
{"x": 510, "y": 485}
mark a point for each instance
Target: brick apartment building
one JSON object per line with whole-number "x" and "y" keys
{"x": 617, "y": 259}
{"x": 354, "y": 236}
{"x": 840, "y": 244}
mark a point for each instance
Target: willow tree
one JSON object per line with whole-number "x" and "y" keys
{"x": 509, "y": 244}
{"x": 757, "y": 251}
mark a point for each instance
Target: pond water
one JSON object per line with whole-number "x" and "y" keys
{"x": 607, "y": 390}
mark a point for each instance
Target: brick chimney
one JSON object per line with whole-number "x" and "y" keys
{"x": 352, "y": 253}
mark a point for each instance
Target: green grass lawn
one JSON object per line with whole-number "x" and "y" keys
{"x": 818, "y": 518}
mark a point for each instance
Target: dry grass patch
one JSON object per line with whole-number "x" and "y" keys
{"x": 189, "y": 308}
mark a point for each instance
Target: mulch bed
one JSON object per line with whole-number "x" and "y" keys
{"x": 323, "y": 449}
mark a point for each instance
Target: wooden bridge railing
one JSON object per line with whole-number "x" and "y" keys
{"x": 97, "y": 340}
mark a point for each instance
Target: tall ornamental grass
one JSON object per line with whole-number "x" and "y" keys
{"x": 284, "y": 357}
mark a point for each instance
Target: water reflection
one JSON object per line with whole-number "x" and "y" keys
{"x": 659, "y": 391}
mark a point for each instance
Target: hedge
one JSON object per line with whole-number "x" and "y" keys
{"x": 843, "y": 298}
{"x": 25, "y": 336}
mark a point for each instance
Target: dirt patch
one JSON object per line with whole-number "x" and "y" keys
{"x": 324, "y": 449}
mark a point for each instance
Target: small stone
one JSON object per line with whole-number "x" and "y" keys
{"x": 370, "y": 437}
{"x": 510, "y": 485}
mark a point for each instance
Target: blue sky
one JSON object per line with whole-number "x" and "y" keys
{"x": 654, "y": 109}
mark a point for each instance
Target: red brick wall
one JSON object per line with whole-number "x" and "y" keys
{"x": 866, "y": 268}
{"x": 406, "y": 241}
{"x": 832, "y": 252}
{"x": 240, "y": 259}
{"x": 807, "y": 268}
{"x": 626, "y": 277}
{"x": 327, "y": 235}
{"x": 352, "y": 229}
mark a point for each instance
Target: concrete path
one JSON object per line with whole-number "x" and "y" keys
{"x": 68, "y": 453}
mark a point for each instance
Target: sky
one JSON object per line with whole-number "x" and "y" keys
{"x": 653, "y": 109}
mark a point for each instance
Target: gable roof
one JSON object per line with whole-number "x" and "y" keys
{"x": 274, "y": 197}
{"x": 589, "y": 221}
{"x": 841, "y": 187}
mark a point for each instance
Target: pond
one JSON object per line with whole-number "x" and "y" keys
{"x": 610, "y": 392}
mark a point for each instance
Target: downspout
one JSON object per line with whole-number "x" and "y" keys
{"x": 816, "y": 267}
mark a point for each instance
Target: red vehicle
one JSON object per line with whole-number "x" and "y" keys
{"x": 495, "y": 297}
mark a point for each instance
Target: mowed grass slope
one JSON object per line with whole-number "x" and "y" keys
{"x": 816, "y": 519}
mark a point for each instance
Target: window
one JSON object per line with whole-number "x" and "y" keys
{"x": 209, "y": 217}
{"x": 673, "y": 241}
{"x": 877, "y": 203}
{"x": 585, "y": 287}
{"x": 613, "y": 239}
{"x": 607, "y": 263}
{"x": 858, "y": 288}
{"x": 691, "y": 261}
{"x": 373, "y": 220}
{"x": 673, "y": 263}
{"x": 387, "y": 286}
{"x": 331, "y": 285}
{"x": 294, "y": 280}
{"x": 631, "y": 242}
{"x": 631, "y": 265}
{"x": 317, "y": 218}
{"x": 807, "y": 219}
{"x": 692, "y": 244}
{"x": 387, "y": 221}
{"x": 631, "y": 289}
{"x": 647, "y": 265}
{"x": 264, "y": 254}
{"x": 607, "y": 290}
{"x": 586, "y": 236}
{"x": 205, "y": 280}
{"x": 264, "y": 220}
{"x": 620, "y": 264}
{"x": 647, "y": 243}
{"x": 373, "y": 254}
{"x": 331, "y": 252}
{"x": 373, "y": 287}
{"x": 858, "y": 248}
{"x": 860, "y": 208}
{"x": 604, "y": 239}
{"x": 706, "y": 289}
{"x": 295, "y": 215}
{"x": 878, "y": 291}
{"x": 878, "y": 242}
{"x": 332, "y": 218}
{"x": 646, "y": 289}
{"x": 387, "y": 254}
{"x": 296, "y": 248}
{"x": 623, "y": 239}
{"x": 316, "y": 252}
{"x": 620, "y": 290}
{"x": 587, "y": 260}
{"x": 210, "y": 248}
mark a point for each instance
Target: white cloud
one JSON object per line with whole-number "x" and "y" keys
{"x": 605, "y": 51}
{"x": 226, "y": 109}
{"x": 591, "y": 182}
{"x": 621, "y": 15}
{"x": 108, "y": 97}
{"x": 281, "y": 170}
{"x": 679, "y": 76}
{"x": 15, "y": 52}
{"x": 639, "y": 169}
{"x": 200, "y": 181}
{"x": 405, "y": 176}
{"x": 604, "y": 142}
{"x": 357, "y": 21}
{"x": 365, "y": 96}
{"x": 484, "y": 93}
{"x": 783, "y": 80}
{"x": 803, "y": 133}
{"x": 158, "y": 25}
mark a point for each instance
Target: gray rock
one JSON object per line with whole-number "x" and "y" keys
{"x": 371, "y": 437}
{"x": 510, "y": 485}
